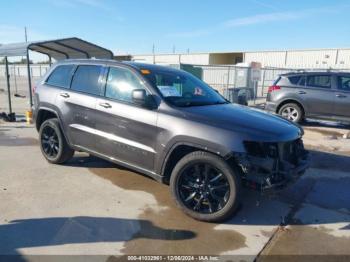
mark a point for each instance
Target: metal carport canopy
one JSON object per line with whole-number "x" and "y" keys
{"x": 58, "y": 49}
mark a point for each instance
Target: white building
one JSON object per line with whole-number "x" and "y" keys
{"x": 313, "y": 58}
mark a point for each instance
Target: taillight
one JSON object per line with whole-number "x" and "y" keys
{"x": 33, "y": 89}
{"x": 273, "y": 88}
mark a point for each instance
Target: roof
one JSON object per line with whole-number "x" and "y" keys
{"x": 311, "y": 72}
{"x": 151, "y": 67}
{"x": 58, "y": 49}
{"x": 135, "y": 65}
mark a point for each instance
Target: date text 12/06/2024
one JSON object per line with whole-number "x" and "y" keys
{"x": 173, "y": 258}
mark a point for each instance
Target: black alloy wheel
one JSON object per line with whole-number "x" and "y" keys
{"x": 49, "y": 142}
{"x": 206, "y": 186}
{"x": 203, "y": 188}
{"x": 53, "y": 143}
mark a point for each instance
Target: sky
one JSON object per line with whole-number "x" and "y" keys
{"x": 134, "y": 26}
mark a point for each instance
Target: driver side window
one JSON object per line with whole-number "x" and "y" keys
{"x": 344, "y": 83}
{"x": 120, "y": 84}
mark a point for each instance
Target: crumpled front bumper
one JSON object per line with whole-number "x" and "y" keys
{"x": 264, "y": 172}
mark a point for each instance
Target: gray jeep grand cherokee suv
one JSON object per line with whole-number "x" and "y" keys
{"x": 321, "y": 95}
{"x": 169, "y": 125}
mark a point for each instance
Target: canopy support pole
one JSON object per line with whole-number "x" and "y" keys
{"x": 8, "y": 84}
{"x": 29, "y": 80}
{"x": 50, "y": 60}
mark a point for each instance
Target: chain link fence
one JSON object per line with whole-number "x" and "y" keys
{"x": 19, "y": 86}
{"x": 227, "y": 78}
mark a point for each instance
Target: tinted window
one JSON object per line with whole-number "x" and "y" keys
{"x": 302, "y": 81}
{"x": 322, "y": 81}
{"x": 294, "y": 79}
{"x": 120, "y": 83}
{"x": 61, "y": 76}
{"x": 344, "y": 83}
{"x": 86, "y": 79}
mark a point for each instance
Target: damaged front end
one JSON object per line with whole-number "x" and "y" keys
{"x": 272, "y": 165}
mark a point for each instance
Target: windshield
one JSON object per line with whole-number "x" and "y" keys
{"x": 183, "y": 89}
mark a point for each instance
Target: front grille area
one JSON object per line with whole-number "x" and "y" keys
{"x": 292, "y": 151}
{"x": 289, "y": 151}
{"x": 263, "y": 150}
{"x": 272, "y": 164}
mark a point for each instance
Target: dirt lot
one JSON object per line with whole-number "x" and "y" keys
{"x": 89, "y": 206}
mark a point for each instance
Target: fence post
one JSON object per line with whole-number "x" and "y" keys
{"x": 263, "y": 83}
{"x": 29, "y": 80}
{"x": 228, "y": 77}
{"x": 235, "y": 81}
{"x": 8, "y": 84}
{"x": 14, "y": 75}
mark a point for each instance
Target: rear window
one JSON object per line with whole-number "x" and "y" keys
{"x": 86, "y": 79}
{"x": 321, "y": 81}
{"x": 61, "y": 76}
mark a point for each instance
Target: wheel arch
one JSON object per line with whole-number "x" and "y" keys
{"x": 181, "y": 149}
{"x": 44, "y": 114}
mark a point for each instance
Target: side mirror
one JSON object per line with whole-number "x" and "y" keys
{"x": 139, "y": 96}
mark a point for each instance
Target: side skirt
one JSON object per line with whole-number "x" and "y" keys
{"x": 146, "y": 172}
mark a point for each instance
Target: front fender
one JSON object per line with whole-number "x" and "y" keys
{"x": 201, "y": 144}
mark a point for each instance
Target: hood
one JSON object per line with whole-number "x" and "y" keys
{"x": 245, "y": 120}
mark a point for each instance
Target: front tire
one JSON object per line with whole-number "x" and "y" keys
{"x": 53, "y": 144}
{"x": 205, "y": 187}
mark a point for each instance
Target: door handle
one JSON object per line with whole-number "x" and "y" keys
{"x": 340, "y": 95}
{"x": 65, "y": 95}
{"x": 105, "y": 105}
{"x": 302, "y": 92}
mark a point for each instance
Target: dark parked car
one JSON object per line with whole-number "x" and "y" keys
{"x": 320, "y": 95}
{"x": 169, "y": 125}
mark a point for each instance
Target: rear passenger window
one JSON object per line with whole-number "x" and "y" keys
{"x": 61, "y": 76}
{"x": 302, "y": 81}
{"x": 86, "y": 79}
{"x": 321, "y": 81}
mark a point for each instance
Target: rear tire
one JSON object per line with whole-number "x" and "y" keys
{"x": 218, "y": 192}
{"x": 292, "y": 112}
{"x": 53, "y": 144}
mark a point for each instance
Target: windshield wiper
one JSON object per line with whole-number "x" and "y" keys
{"x": 219, "y": 103}
{"x": 190, "y": 103}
